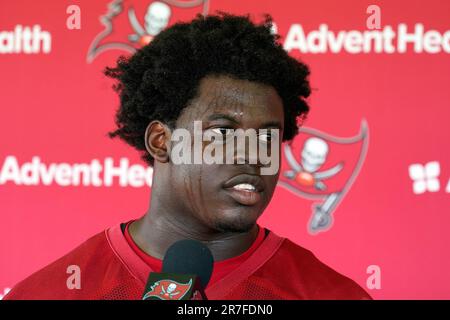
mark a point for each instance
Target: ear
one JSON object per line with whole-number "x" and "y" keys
{"x": 157, "y": 140}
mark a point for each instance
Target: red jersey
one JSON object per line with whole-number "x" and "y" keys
{"x": 220, "y": 269}
{"x": 111, "y": 269}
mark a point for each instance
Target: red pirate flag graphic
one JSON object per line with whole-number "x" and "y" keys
{"x": 168, "y": 290}
{"x": 129, "y": 25}
{"x": 322, "y": 167}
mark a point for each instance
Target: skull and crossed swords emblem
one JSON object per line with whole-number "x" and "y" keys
{"x": 155, "y": 20}
{"x": 313, "y": 156}
{"x": 307, "y": 180}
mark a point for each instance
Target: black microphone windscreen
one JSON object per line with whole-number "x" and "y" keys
{"x": 189, "y": 257}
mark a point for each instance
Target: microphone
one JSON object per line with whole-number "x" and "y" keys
{"x": 186, "y": 271}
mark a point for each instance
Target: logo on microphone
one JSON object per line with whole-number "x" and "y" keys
{"x": 168, "y": 290}
{"x": 326, "y": 169}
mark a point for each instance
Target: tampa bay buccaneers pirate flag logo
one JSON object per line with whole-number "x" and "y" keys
{"x": 168, "y": 290}
{"x": 322, "y": 167}
{"x": 129, "y": 25}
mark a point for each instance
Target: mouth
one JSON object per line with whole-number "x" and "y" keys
{"x": 245, "y": 189}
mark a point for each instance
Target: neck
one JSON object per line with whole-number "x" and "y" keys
{"x": 163, "y": 225}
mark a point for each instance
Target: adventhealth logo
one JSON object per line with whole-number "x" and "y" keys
{"x": 95, "y": 173}
{"x": 426, "y": 177}
{"x": 387, "y": 40}
{"x": 27, "y": 40}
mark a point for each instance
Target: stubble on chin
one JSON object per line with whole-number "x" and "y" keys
{"x": 236, "y": 226}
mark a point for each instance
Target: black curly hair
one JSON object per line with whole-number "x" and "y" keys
{"x": 160, "y": 79}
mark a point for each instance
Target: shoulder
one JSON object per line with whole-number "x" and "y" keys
{"x": 58, "y": 280}
{"x": 309, "y": 278}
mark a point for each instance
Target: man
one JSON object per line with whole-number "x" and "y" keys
{"x": 230, "y": 74}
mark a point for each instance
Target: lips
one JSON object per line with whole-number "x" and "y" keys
{"x": 245, "y": 189}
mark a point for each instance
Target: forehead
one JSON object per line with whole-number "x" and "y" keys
{"x": 247, "y": 101}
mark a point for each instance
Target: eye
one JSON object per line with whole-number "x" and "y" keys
{"x": 268, "y": 135}
{"x": 222, "y": 131}
{"x": 265, "y": 137}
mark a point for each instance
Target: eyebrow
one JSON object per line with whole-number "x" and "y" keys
{"x": 223, "y": 116}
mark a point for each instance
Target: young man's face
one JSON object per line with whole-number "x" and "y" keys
{"x": 209, "y": 191}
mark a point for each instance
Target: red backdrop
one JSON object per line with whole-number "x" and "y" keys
{"x": 382, "y": 111}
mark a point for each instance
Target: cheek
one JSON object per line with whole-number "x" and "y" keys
{"x": 199, "y": 189}
{"x": 184, "y": 186}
